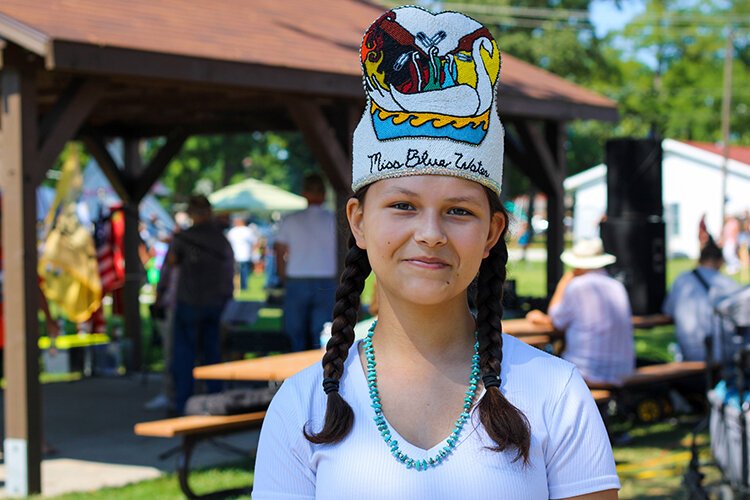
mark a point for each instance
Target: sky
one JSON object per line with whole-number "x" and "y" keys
{"x": 606, "y": 16}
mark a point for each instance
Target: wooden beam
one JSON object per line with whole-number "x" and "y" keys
{"x": 23, "y": 404}
{"x": 61, "y": 123}
{"x": 529, "y": 160}
{"x": 554, "y": 142}
{"x": 93, "y": 59}
{"x": 119, "y": 180}
{"x": 322, "y": 141}
{"x": 514, "y": 148}
{"x": 516, "y": 105}
{"x": 158, "y": 164}
{"x": 543, "y": 158}
{"x": 86, "y": 58}
{"x": 547, "y": 160}
{"x": 514, "y": 152}
{"x": 133, "y": 266}
{"x": 555, "y": 134}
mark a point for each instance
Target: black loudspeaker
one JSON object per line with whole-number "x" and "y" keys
{"x": 639, "y": 245}
{"x": 634, "y": 177}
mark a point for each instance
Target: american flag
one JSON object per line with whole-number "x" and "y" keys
{"x": 105, "y": 254}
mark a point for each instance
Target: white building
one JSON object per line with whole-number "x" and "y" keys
{"x": 691, "y": 180}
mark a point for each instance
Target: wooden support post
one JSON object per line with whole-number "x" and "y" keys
{"x": 545, "y": 163}
{"x": 131, "y": 183}
{"x": 321, "y": 139}
{"x": 158, "y": 164}
{"x": 352, "y": 114}
{"x": 133, "y": 266}
{"x": 521, "y": 150}
{"x": 334, "y": 158}
{"x": 63, "y": 121}
{"x": 114, "y": 174}
{"x": 555, "y": 149}
{"x": 23, "y": 405}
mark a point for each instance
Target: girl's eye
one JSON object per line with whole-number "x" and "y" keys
{"x": 459, "y": 211}
{"x": 402, "y": 206}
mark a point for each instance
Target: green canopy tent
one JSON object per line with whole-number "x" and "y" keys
{"x": 252, "y": 195}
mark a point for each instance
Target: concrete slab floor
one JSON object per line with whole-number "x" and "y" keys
{"x": 90, "y": 425}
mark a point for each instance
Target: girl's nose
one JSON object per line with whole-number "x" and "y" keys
{"x": 429, "y": 230}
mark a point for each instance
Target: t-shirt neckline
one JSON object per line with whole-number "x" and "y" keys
{"x": 410, "y": 449}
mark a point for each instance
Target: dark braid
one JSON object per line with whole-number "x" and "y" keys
{"x": 504, "y": 423}
{"x": 339, "y": 415}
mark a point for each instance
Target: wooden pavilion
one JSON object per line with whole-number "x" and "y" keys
{"x": 93, "y": 70}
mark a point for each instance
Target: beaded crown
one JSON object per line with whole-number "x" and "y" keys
{"x": 430, "y": 81}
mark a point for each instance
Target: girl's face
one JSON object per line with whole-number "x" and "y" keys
{"x": 425, "y": 235}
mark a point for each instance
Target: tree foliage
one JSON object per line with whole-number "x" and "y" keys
{"x": 207, "y": 163}
{"x": 664, "y": 70}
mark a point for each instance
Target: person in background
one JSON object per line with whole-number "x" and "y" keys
{"x": 703, "y": 235}
{"x": 305, "y": 248}
{"x": 204, "y": 286}
{"x": 728, "y": 243}
{"x": 243, "y": 240}
{"x": 162, "y": 314}
{"x": 689, "y": 303}
{"x": 594, "y": 311}
{"x": 524, "y": 240}
{"x": 744, "y": 249}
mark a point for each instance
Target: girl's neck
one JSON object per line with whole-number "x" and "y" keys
{"x": 411, "y": 332}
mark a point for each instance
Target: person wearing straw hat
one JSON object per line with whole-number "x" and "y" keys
{"x": 594, "y": 311}
{"x": 434, "y": 402}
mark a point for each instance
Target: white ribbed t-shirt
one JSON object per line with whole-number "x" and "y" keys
{"x": 570, "y": 452}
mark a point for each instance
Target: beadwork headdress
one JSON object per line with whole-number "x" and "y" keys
{"x": 430, "y": 81}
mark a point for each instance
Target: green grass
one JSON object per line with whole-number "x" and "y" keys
{"x": 653, "y": 464}
{"x": 531, "y": 277}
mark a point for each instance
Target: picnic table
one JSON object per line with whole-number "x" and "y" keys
{"x": 522, "y": 327}
{"x": 282, "y": 366}
{"x": 279, "y": 367}
{"x": 651, "y": 320}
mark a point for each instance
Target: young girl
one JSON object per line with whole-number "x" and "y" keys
{"x": 435, "y": 402}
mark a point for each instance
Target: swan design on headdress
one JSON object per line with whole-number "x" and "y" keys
{"x": 430, "y": 75}
{"x": 455, "y": 100}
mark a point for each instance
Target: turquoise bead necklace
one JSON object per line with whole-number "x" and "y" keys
{"x": 372, "y": 382}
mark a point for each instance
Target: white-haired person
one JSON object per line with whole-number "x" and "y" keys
{"x": 593, "y": 309}
{"x": 434, "y": 402}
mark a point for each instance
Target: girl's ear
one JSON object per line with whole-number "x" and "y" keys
{"x": 355, "y": 216}
{"x": 497, "y": 225}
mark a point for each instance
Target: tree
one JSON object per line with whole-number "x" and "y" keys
{"x": 679, "y": 94}
{"x": 210, "y": 162}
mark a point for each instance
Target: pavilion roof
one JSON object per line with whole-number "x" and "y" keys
{"x": 293, "y": 46}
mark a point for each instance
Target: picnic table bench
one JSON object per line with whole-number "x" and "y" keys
{"x": 601, "y": 396}
{"x": 193, "y": 429}
{"x": 645, "y": 389}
